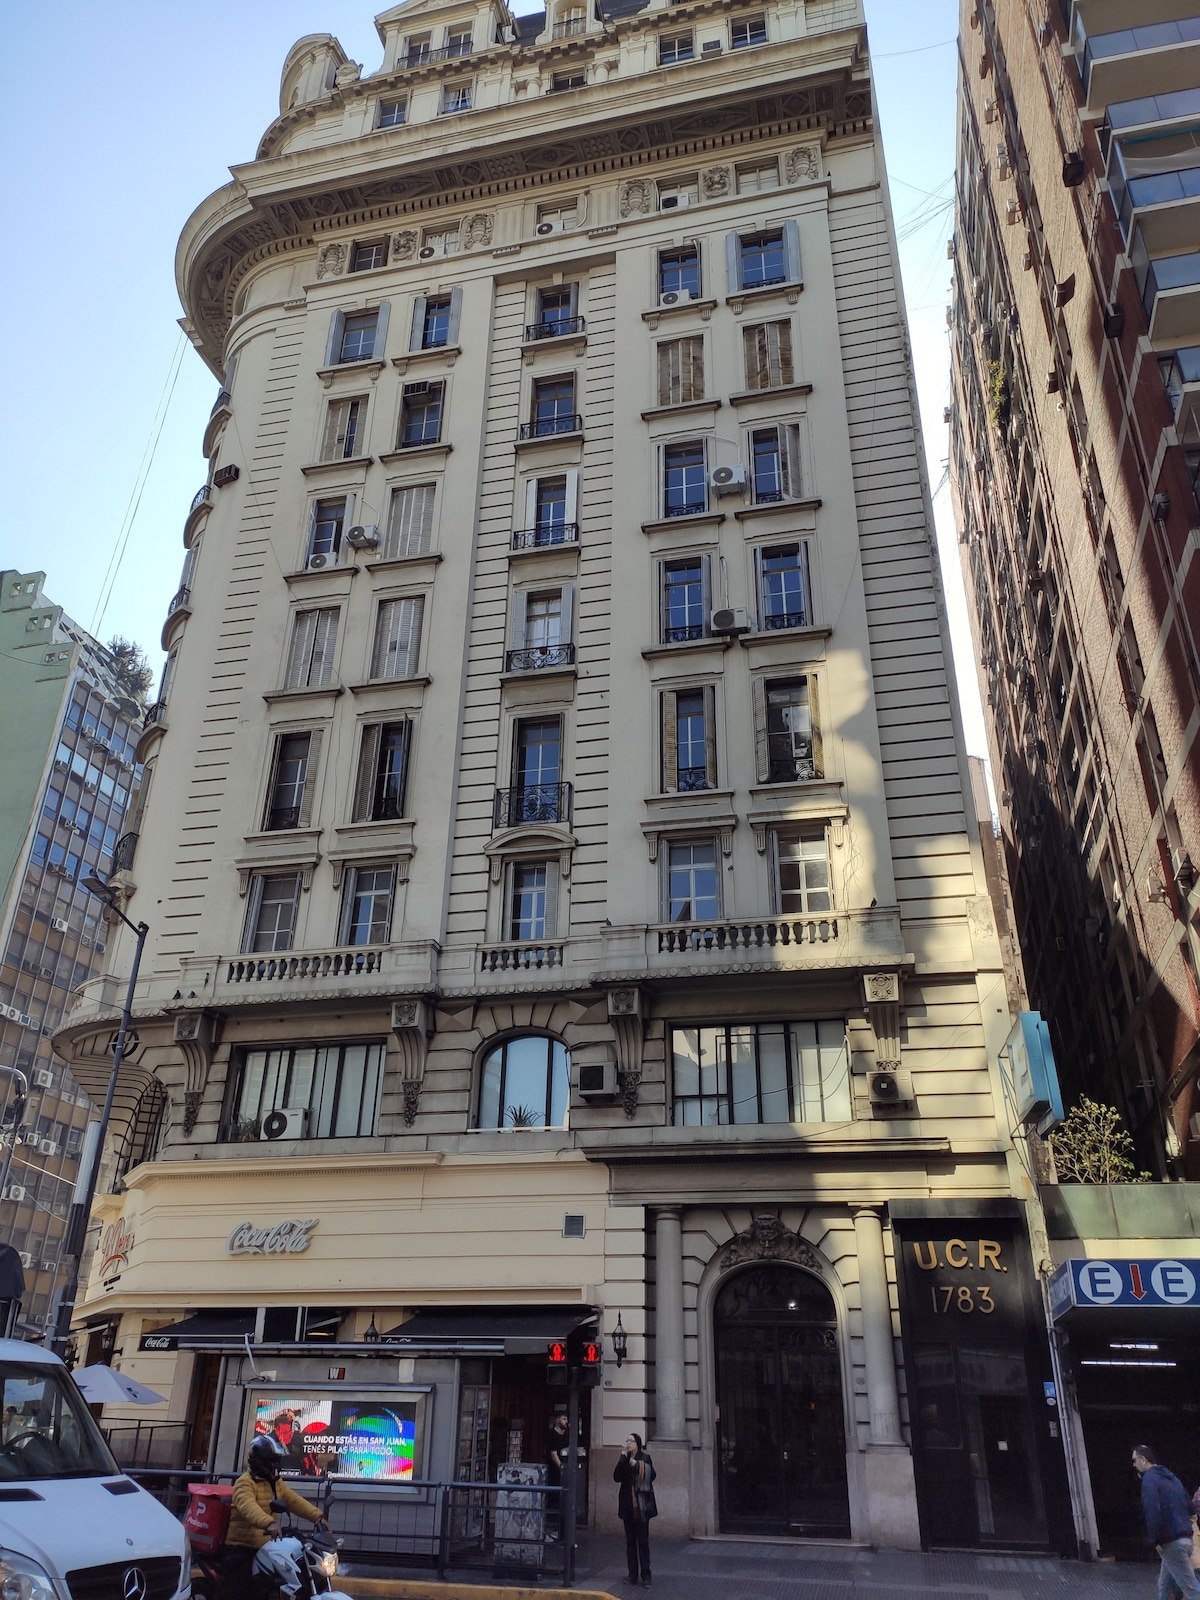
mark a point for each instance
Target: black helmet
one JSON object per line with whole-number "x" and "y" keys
{"x": 265, "y": 1457}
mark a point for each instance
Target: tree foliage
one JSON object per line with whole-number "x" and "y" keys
{"x": 1092, "y": 1146}
{"x": 130, "y": 667}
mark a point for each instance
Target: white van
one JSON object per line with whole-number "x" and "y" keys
{"x": 71, "y": 1523}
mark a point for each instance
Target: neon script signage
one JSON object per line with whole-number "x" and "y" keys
{"x": 290, "y": 1238}
{"x": 115, "y": 1244}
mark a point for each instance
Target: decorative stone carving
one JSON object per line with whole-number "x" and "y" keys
{"x": 802, "y": 164}
{"x": 629, "y": 1083}
{"x": 193, "y": 1036}
{"x": 626, "y": 1017}
{"x": 715, "y": 182}
{"x": 477, "y": 232}
{"x": 412, "y": 1099}
{"x": 636, "y": 197}
{"x": 404, "y": 244}
{"x": 349, "y": 72}
{"x": 412, "y": 1025}
{"x": 882, "y": 993}
{"x": 331, "y": 260}
{"x": 192, "y": 1101}
{"x": 767, "y": 1239}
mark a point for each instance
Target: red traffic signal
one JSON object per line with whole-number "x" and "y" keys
{"x": 556, "y": 1362}
{"x": 591, "y": 1354}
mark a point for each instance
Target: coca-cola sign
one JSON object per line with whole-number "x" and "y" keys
{"x": 289, "y": 1238}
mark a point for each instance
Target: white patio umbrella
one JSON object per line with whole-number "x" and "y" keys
{"x": 102, "y": 1385}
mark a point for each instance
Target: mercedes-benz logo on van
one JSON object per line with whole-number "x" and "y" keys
{"x": 134, "y": 1586}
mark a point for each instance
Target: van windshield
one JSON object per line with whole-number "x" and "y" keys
{"x": 46, "y": 1430}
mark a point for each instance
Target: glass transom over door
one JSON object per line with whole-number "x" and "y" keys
{"x": 781, "y": 1453}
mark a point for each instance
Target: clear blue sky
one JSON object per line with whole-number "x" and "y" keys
{"x": 125, "y": 116}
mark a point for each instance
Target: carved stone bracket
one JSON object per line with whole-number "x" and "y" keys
{"x": 412, "y": 1099}
{"x": 412, "y": 1023}
{"x": 768, "y": 1239}
{"x": 193, "y": 1036}
{"x": 192, "y": 1101}
{"x": 626, "y": 1017}
{"x": 882, "y": 993}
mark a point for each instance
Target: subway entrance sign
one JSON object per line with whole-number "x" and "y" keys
{"x": 1095, "y": 1283}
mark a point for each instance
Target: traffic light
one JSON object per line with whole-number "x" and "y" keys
{"x": 556, "y": 1363}
{"x": 591, "y": 1360}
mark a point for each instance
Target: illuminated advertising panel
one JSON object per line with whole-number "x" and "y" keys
{"x": 373, "y": 1439}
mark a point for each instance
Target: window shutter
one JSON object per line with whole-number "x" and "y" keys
{"x": 760, "y": 601}
{"x": 670, "y": 743}
{"x": 310, "y": 777}
{"x": 531, "y": 494}
{"x": 567, "y": 614}
{"x": 410, "y": 522}
{"x": 516, "y": 620}
{"x": 754, "y": 346}
{"x": 333, "y": 346}
{"x": 781, "y": 355}
{"x": 814, "y": 723}
{"x": 455, "y": 316}
{"x": 324, "y": 639}
{"x": 806, "y": 585}
{"x": 551, "y": 899}
{"x": 572, "y": 512}
{"x": 304, "y": 628}
{"x": 666, "y": 372}
{"x": 381, "y": 327}
{"x": 368, "y": 760}
{"x": 253, "y": 907}
{"x": 710, "y": 735}
{"x": 790, "y": 455}
{"x": 791, "y": 250}
{"x": 574, "y": 300}
{"x": 762, "y": 753}
{"x": 349, "y": 886}
{"x": 333, "y": 424}
{"x": 418, "y": 323}
{"x": 706, "y": 589}
{"x": 733, "y": 262}
{"x": 692, "y": 379}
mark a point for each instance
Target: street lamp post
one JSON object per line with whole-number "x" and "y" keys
{"x": 82, "y": 1209}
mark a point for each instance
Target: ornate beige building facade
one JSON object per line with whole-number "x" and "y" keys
{"x": 566, "y": 900}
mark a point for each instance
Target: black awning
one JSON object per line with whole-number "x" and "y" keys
{"x": 207, "y": 1330}
{"x": 482, "y": 1330}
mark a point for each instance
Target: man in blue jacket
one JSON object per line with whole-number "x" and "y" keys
{"x": 1168, "y": 1515}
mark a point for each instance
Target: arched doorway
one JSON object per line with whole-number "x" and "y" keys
{"x": 781, "y": 1436}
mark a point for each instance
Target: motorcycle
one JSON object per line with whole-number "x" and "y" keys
{"x": 308, "y": 1566}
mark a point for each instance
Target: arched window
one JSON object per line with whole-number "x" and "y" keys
{"x": 525, "y": 1083}
{"x": 569, "y": 21}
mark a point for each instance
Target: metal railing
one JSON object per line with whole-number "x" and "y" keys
{"x": 569, "y": 28}
{"x": 202, "y": 497}
{"x": 536, "y": 802}
{"x": 536, "y": 657}
{"x": 179, "y": 599}
{"x": 684, "y": 634}
{"x": 689, "y": 779}
{"x": 545, "y": 535}
{"x": 689, "y": 508}
{"x": 1169, "y": 272}
{"x": 1178, "y": 369}
{"x": 520, "y": 957}
{"x": 149, "y": 1444}
{"x": 547, "y": 427}
{"x": 282, "y": 817}
{"x": 223, "y": 402}
{"x": 554, "y": 329}
{"x": 156, "y": 713}
{"x": 785, "y": 619}
{"x": 124, "y": 853}
{"x": 715, "y": 937}
{"x": 424, "y": 57}
{"x": 303, "y": 966}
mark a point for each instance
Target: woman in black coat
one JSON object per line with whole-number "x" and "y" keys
{"x": 634, "y": 1472}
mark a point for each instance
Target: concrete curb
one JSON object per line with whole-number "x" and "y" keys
{"x": 426, "y": 1588}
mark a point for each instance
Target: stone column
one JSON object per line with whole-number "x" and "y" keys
{"x": 882, "y": 1396}
{"x": 668, "y": 1325}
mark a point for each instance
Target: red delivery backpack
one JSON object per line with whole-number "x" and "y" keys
{"x": 207, "y": 1516}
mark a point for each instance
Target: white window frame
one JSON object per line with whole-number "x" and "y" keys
{"x": 317, "y": 500}
{"x": 349, "y": 892}
{"x": 791, "y": 460}
{"x": 396, "y": 545}
{"x": 669, "y": 846}
{"x": 747, "y": 176}
{"x": 675, "y": 559}
{"x": 805, "y": 552}
{"x": 699, "y": 439}
{"x": 677, "y": 194}
{"x": 442, "y": 241}
{"x": 337, "y": 329}
{"x": 571, "y": 503}
{"x": 335, "y": 432}
{"x": 675, "y": 39}
{"x": 777, "y": 892}
{"x": 399, "y": 100}
{"x": 792, "y": 261}
{"x": 551, "y": 890}
{"x": 446, "y": 105}
{"x": 416, "y": 341}
{"x": 367, "y": 775}
{"x": 560, "y": 215}
{"x": 251, "y": 930}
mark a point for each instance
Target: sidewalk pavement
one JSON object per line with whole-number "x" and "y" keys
{"x": 734, "y": 1569}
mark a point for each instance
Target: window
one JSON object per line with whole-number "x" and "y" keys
{"x": 410, "y": 522}
{"x": 531, "y": 900}
{"x": 289, "y": 777}
{"x": 366, "y": 257}
{"x": 397, "y": 637}
{"x": 765, "y": 1072}
{"x": 358, "y": 337}
{"x": 571, "y": 20}
{"x": 325, "y": 534}
{"x": 689, "y": 756}
{"x": 802, "y": 882}
{"x": 382, "y": 772}
{"x": 674, "y": 47}
{"x": 775, "y": 463}
{"x": 456, "y": 97}
{"x": 345, "y": 422}
{"x": 757, "y": 260}
{"x": 271, "y": 914}
{"x": 337, "y": 1085}
{"x": 537, "y": 794}
{"x": 439, "y": 242}
{"x": 680, "y": 370}
{"x": 575, "y": 79}
{"x": 525, "y": 1083}
{"x": 685, "y": 485}
{"x": 786, "y": 726}
{"x": 677, "y": 193}
{"x": 435, "y": 323}
{"x": 679, "y": 272}
{"x": 767, "y": 347}
{"x": 550, "y": 511}
{"x": 784, "y": 598}
{"x": 391, "y": 113}
{"x": 756, "y": 176}
{"x": 310, "y": 659}
{"x": 367, "y": 905}
{"x": 541, "y": 629}
{"x": 750, "y": 30}
{"x": 693, "y": 881}
{"x": 420, "y": 414}
{"x": 557, "y": 218}
{"x": 458, "y": 42}
{"x": 554, "y": 406}
{"x": 555, "y": 313}
{"x": 684, "y": 599}
{"x": 416, "y": 50}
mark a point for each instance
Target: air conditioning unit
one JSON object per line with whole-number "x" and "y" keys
{"x": 728, "y": 480}
{"x": 1003, "y": 162}
{"x": 598, "y": 1079}
{"x": 947, "y": 413}
{"x": 1012, "y": 212}
{"x": 89, "y": 786}
{"x": 711, "y": 47}
{"x": 15, "y": 1191}
{"x": 1073, "y": 169}
{"x": 676, "y": 297}
{"x": 427, "y": 253}
{"x": 674, "y": 202}
{"x": 60, "y": 924}
{"x": 990, "y": 111}
{"x": 44, "y": 1078}
{"x": 887, "y": 1088}
{"x": 48, "y": 1147}
{"x": 16, "y": 1016}
{"x": 88, "y": 731}
{"x": 730, "y": 619}
{"x": 363, "y": 536}
{"x": 26, "y": 1258}
{"x": 319, "y": 560}
{"x": 283, "y": 1125}
{"x": 544, "y": 228}
{"x": 225, "y": 475}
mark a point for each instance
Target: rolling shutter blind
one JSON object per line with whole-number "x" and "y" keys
{"x": 410, "y": 522}
{"x": 670, "y": 743}
{"x": 397, "y": 638}
{"x": 768, "y": 353}
{"x": 310, "y": 661}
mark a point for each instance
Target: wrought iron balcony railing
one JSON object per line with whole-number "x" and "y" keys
{"x": 685, "y": 508}
{"x": 222, "y": 403}
{"x": 544, "y": 535}
{"x": 156, "y": 713}
{"x": 684, "y": 634}
{"x": 689, "y": 779}
{"x": 202, "y": 497}
{"x": 785, "y": 619}
{"x": 539, "y": 656}
{"x": 280, "y": 818}
{"x": 424, "y": 57}
{"x": 179, "y": 599}
{"x": 536, "y": 802}
{"x": 555, "y": 328}
{"x": 547, "y": 427}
